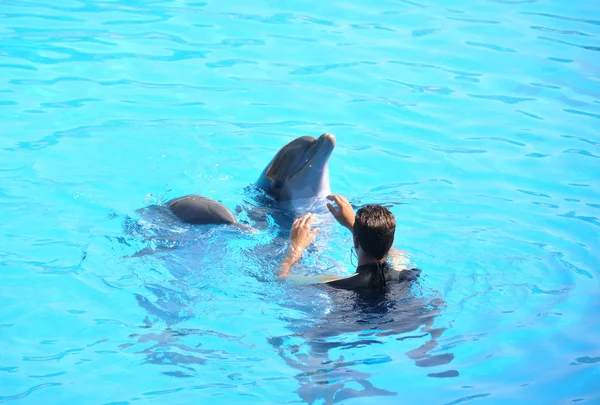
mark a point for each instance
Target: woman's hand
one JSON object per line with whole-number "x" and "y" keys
{"x": 301, "y": 236}
{"x": 345, "y": 213}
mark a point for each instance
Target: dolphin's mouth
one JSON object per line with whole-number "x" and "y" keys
{"x": 325, "y": 144}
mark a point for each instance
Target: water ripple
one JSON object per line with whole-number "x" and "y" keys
{"x": 318, "y": 69}
{"x": 64, "y": 54}
{"x": 124, "y": 82}
{"x": 491, "y": 47}
{"x": 43, "y": 17}
{"x": 498, "y": 139}
{"x": 16, "y": 66}
{"x": 229, "y": 63}
{"x": 467, "y": 398}
{"x": 582, "y": 152}
{"x": 587, "y": 114}
{"x": 71, "y": 103}
{"x": 49, "y": 375}
{"x": 557, "y": 31}
{"x": 588, "y": 219}
{"x": 423, "y": 32}
{"x": 460, "y": 75}
{"x": 534, "y": 193}
{"x": 536, "y": 117}
{"x": 503, "y": 99}
{"x": 473, "y": 20}
{"x": 28, "y": 392}
{"x": 558, "y": 41}
{"x": 424, "y": 89}
{"x": 586, "y": 360}
{"x": 583, "y": 20}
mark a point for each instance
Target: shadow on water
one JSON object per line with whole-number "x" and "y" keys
{"x": 358, "y": 321}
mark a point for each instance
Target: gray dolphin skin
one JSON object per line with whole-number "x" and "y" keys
{"x": 299, "y": 171}
{"x": 195, "y": 209}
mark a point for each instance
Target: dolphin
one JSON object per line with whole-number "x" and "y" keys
{"x": 295, "y": 181}
{"x": 296, "y": 176}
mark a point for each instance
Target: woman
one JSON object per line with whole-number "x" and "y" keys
{"x": 373, "y": 229}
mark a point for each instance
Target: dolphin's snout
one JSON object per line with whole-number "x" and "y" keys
{"x": 328, "y": 138}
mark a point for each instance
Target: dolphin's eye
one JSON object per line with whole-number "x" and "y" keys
{"x": 277, "y": 185}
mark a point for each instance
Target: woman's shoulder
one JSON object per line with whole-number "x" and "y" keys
{"x": 353, "y": 281}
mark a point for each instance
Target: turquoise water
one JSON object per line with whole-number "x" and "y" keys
{"x": 476, "y": 121}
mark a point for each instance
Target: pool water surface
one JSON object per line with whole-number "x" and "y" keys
{"x": 476, "y": 122}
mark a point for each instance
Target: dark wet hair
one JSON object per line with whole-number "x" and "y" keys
{"x": 374, "y": 227}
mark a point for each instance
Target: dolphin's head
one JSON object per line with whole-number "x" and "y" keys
{"x": 300, "y": 169}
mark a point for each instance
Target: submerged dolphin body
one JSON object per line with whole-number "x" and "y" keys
{"x": 294, "y": 182}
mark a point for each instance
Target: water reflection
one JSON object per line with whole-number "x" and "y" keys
{"x": 333, "y": 322}
{"x": 359, "y": 320}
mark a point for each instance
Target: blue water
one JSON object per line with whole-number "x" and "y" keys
{"x": 476, "y": 121}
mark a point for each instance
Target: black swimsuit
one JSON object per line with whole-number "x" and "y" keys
{"x": 364, "y": 273}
